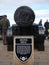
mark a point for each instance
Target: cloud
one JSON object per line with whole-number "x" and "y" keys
{"x": 42, "y": 13}
{"x": 17, "y": 3}
{"x": 40, "y": 7}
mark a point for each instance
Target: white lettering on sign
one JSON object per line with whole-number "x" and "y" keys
{"x": 23, "y": 40}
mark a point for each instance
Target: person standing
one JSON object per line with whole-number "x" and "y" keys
{"x": 40, "y": 22}
{"x": 46, "y": 24}
{"x": 5, "y": 24}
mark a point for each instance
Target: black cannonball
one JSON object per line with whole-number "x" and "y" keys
{"x": 24, "y": 16}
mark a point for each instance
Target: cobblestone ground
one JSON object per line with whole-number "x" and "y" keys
{"x": 41, "y": 57}
{"x": 5, "y": 56}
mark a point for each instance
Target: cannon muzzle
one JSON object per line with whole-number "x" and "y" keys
{"x": 24, "y": 16}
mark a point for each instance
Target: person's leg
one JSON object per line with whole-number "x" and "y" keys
{"x": 4, "y": 37}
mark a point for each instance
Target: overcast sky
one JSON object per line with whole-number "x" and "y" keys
{"x": 40, "y": 7}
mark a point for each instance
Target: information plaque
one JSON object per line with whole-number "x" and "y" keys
{"x": 23, "y": 47}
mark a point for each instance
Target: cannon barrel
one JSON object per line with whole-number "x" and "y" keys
{"x": 24, "y": 16}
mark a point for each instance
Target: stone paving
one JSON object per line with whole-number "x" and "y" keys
{"x": 41, "y": 57}
{"x": 5, "y": 56}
